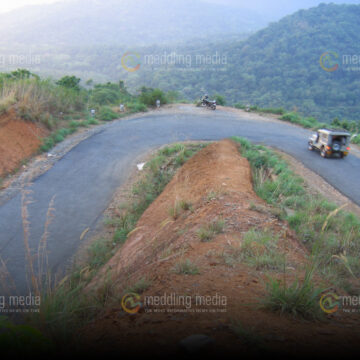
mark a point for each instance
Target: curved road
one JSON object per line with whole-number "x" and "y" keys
{"x": 84, "y": 180}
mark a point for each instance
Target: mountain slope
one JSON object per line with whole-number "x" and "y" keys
{"x": 280, "y": 65}
{"x": 277, "y": 9}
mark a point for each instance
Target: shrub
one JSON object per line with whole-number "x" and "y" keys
{"x": 239, "y": 106}
{"x": 356, "y": 139}
{"x": 70, "y": 82}
{"x": 149, "y": 96}
{"x": 106, "y": 114}
{"x": 292, "y": 117}
{"x": 105, "y": 96}
{"x": 276, "y": 111}
{"x": 297, "y": 299}
{"x": 220, "y": 100}
{"x": 136, "y": 107}
{"x": 37, "y": 99}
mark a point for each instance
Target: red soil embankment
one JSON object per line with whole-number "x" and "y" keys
{"x": 19, "y": 140}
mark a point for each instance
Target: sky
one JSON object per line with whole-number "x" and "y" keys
{"x": 7, "y": 5}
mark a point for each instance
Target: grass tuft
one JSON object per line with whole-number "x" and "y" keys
{"x": 209, "y": 231}
{"x": 186, "y": 267}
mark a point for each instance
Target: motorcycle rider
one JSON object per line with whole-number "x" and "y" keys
{"x": 206, "y": 101}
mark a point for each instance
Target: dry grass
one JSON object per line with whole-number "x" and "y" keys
{"x": 38, "y": 100}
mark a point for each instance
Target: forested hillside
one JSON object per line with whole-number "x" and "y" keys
{"x": 280, "y": 65}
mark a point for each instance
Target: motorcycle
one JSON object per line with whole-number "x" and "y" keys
{"x": 211, "y": 104}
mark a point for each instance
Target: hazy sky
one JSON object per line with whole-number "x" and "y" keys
{"x": 7, "y": 5}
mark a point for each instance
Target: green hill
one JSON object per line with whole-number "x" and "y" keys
{"x": 279, "y": 66}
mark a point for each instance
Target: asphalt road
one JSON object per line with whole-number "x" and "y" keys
{"x": 84, "y": 180}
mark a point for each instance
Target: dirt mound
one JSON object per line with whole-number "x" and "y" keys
{"x": 216, "y": 170}
{"x": 19, "y": 140}
{"x": 167, "y": 258}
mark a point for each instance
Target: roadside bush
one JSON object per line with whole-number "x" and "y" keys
{"x": 356, "y": 139}
{"x": 35, "y": 97}
{"x": 172, "y": 96}
{"x": 58, "y": 136}
{"x": 103, "y": 96}
{"x": 136, "y": 107}
{"x": 292, "y": 117}
{"x": 149, "y": 96}
{"x": 70, "y": 82}
{"x": 107, "y": 114}
{"x": 239, "y": 106}
{"x": 276, "y": 111}
{"x": 220, "y": 100}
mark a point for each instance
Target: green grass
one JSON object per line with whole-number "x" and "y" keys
{"x": 139, "y": 287}
{"x": 257, "y": 248}
{"x": 170, "y": 150}
{"x": 186, "y": 267}
{"x": 338, "y": 245}
{"x": 295, "y": 118}
{"x": 179, "y": 208}
{"x": 298, "y": 299}
{"x": 356, "y": 140}
{"x": 99, "y": 253}
{"x": 106, "y": 114}
{"x": 254, "y": 108}
{"x": 59, "y": 135}
{"x": 208, "y": 231}
{"x": 135, "y": 107}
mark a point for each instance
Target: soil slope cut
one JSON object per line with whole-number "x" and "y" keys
{"x": 19, "y": 140}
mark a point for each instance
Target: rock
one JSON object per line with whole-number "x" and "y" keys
{"x": 196, "y": 343}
